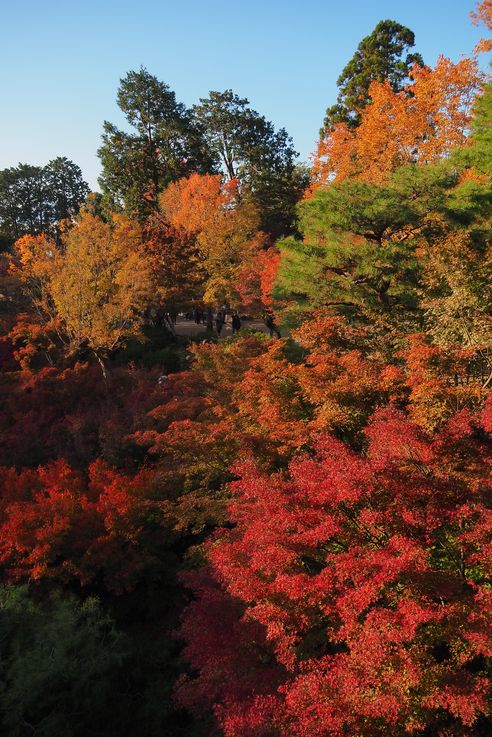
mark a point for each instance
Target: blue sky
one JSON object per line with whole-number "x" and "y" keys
{"x": 61, "y": 61}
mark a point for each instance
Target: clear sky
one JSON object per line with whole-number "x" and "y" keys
{"x": 61, "y": 60}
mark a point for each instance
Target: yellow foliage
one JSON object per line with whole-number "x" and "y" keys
{"x": 97, "y": 283}
{"x": 223, "y": 226}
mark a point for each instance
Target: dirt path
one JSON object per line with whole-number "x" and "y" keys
{"x": 190, "y": 329}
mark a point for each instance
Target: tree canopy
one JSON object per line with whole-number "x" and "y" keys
{"x": 165, "y": 145}
{"x": 34, "y": 199}
{"x": 275, "y": 522}
{"x": 380, "y": 57}
{"x": 248, "y": 149}
{"x": 93, "y": 290}
{"x": 422, "y": 123}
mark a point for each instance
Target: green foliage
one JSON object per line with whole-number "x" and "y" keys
{"x": 22, "y": 200}
{"x": 358, "y": 254}
{"x": 66, "y": 189}
{"x": 67, "y": 670}
{"x": 59, "y": 666}
{"x": 379, "y": 56}
{"x": 300, "y": 282}
{"x": 166, "y": 144}
{"x": 276, "y": 193}
{"x": 458, "y": 279}
{"x": 471, "y": 200}
{"x": 248, "y": 148}
{"x": 479, "y": 153}
{"x": 33, "y": 199}
{"x": 378, "y": 212}
{"x": 159, "y": 349}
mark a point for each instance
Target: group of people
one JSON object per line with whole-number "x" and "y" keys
{"x": 220, "y": 319}
{"x": 199, "y": 316}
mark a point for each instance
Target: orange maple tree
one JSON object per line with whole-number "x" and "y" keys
{"x": 420, "y": 124}
{"x": 224, "y": 226}
{"x": 483, "y": 14}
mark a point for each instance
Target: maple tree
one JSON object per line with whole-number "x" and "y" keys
{"x": 360, "y": 584}
{"x": 55, "y": 526}
{"x": 176, "y": 265}
{"x": 256, "y": 280}
{"x": 483, "y": 14}
{"x": 443, "y": 380}
{"x": 420, "y": 124}
{"x": 224, "y": 229}
{"x": 94, "y": 290}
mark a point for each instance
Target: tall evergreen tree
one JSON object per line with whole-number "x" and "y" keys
{"x": 165, "y": 145}
{"x": 33, "y": 199}
{"x": 65, "y": 187}
{"x": 358, "y": 256}
{"x": 22, "y": 201}
{"x": 379, "y": 56}
{"x": 249, "y": 149}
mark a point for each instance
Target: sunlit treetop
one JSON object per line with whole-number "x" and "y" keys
{"x": 379, "y": 57}
{"x": 419, "y": 124}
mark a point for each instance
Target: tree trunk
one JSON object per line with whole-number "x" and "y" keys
{"x": 170, "y": 323}
{"x": 210, "y": 320}
{"x": 104, "y": 370}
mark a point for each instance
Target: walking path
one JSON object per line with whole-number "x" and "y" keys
{"x": 189, "y": 328}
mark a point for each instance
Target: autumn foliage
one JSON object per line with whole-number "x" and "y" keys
{"x": 483, "y": 15}
{"x": 355, "y": 589}
{"x": 420, "y": 124}
{"x": 224, "y": 226}
{"x": 57, "y": 526}
{"x": 250, "y": 535}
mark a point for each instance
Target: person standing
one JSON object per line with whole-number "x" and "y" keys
{"x": 219, "y": 321}
{"x": 236, "y": 323}
{"x": 271, "y": 325}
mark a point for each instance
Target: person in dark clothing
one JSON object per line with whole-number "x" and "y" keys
{"x": 219, "y": 321}
{"x": 270, "y": 323}
{"x": 236, "y": 323}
